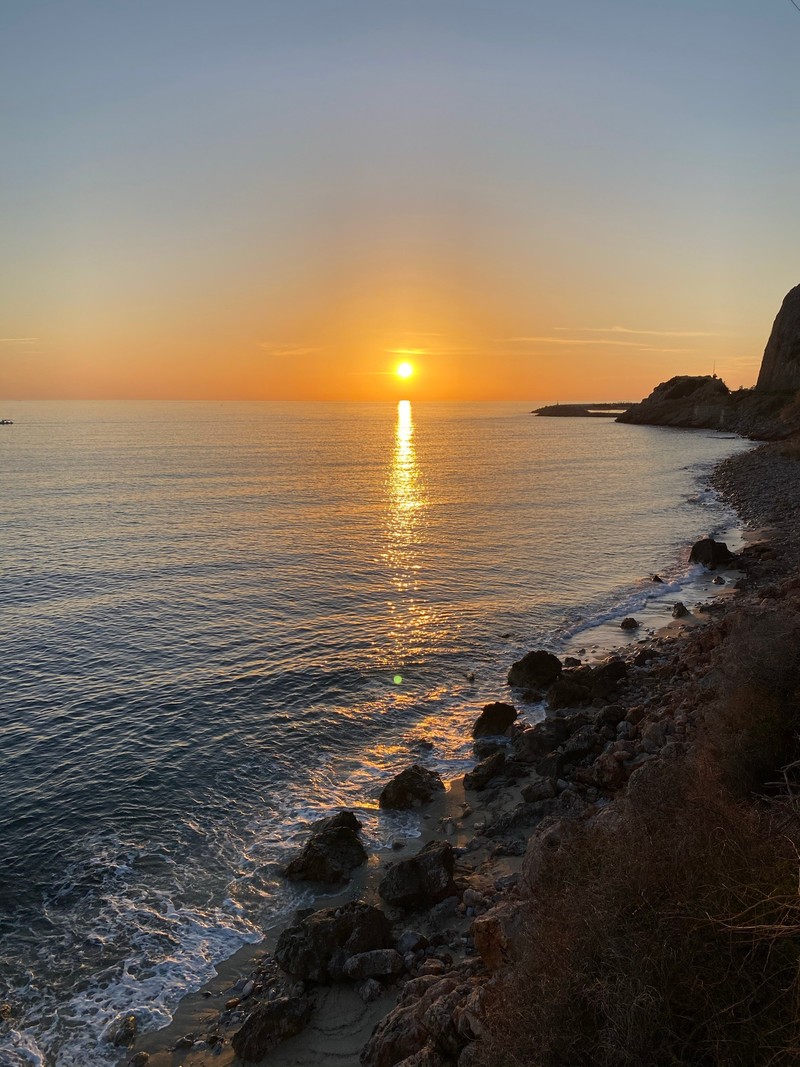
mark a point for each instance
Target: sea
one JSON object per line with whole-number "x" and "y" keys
{"x": 220, "y": 621}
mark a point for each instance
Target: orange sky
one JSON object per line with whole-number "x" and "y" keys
{"x": 258, "y": 200}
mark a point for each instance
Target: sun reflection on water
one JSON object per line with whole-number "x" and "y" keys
{"x": 405, "y": 522}
{"x": 406, "y": 499}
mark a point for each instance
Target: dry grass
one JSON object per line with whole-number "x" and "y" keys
{"x": 673, "y": 938}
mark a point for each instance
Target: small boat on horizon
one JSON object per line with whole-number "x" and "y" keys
{"x": 6, "y": 422}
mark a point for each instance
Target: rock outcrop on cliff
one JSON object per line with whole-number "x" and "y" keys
{"x": 780, "y": 367}
{"x": 683, "y": 401}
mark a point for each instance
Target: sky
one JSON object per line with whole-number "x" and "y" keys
{"x": 526, "y": 199}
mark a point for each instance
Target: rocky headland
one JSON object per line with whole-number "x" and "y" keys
{"x": 769, "y": 412}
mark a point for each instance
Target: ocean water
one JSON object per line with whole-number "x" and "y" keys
{"x": 222, "y": 620}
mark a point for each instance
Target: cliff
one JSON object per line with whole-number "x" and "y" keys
{"x": 780, "y": 367}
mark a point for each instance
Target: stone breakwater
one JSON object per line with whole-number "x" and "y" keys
{"x": 402, "y": 971}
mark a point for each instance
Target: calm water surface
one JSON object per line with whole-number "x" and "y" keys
{"x": 221, "y": 620}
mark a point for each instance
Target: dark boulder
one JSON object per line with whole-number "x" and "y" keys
{"x": 679, "y": 610}
{"x": 380, "y": 963}
{"x": 538, "y": 790}
{"x": 421, "y": 881}
{"x": 317, "y": 947}
{"x": 412, "y": 788}
{"x": 485, "y": 746}
{"x": 538, "y": 668}
{"x": 605, "y": 678}
{"x": 494, "y": 719}
{"x": 540, "y": 739}
{"x": 565, "y": 693}
{"x": 582, "y": 743}
{"x": 711, "y": 553}
{"x": 269, "y": 1024}
{"x": 332, "y": 851}
{"x": 480, "y": 776}
{"x": 629, "y": 624}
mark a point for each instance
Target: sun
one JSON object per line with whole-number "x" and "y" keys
{"x": 404, "y": 370}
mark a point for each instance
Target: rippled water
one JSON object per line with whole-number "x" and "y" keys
{"x": 219, "y": 620}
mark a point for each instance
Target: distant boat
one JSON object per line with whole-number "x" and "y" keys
{"x": 6, "y": 422}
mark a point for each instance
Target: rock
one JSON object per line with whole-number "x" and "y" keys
{"x": 580, "y": 744}
{"x": 344, "y": 819}
{"x": 565, "y": 693}
{"x": 411, "y": 941}
{"x": 608, "y": 771}
{"x": 269, "y": 1024}
{"x": 629, "y": 624}
{"x": 330, "y": 854}
{"x": 370, "y": 990}
{"x": 539, "y": 740}
{"x": 605, "y": 678}
{"x": 571, "y": 661}
{"x": 654, "y": 736}
{"x": 122, "y": 1030}
{"x": 435, "y": 1018}
{"x": 380, "y": 963}
{"x": 422, "y": 880}
{"x": 316, "y": 948}
{"x": 780, "y": 367}
{"x": 540, "y": 789}
{"x": 657, "y": 579}
{"x": 718, "y": 580}
{"x": 494, "y": 719}
{"x": 480, "y": 776}
{"x": 538, "y": 668}
{"x": 611, "y": 715}
{"x": 484, "y": 747}
{"x": 679, "y": 610}
{"x": 711, "y": 553}
{"x": 498, "y": 934}
{"x": 552, "y": 835}
{"x": 139, "y": 1060}
{"x": 412, "y": 788}
{"x": 643, "y": 656}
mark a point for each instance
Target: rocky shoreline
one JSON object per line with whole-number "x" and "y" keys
{"x": 400, "y": 969}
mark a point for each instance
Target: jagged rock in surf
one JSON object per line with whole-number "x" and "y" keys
{"x": 411, "y": 788}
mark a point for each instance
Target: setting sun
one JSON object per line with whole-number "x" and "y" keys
{"x": 404, "y": 370}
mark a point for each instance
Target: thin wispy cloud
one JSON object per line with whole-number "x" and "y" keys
{"x": 18, "y": 340}
{"x": 641, "y": 333}
{"x": 287, "y": 351}
{"x": 571, "y": 342}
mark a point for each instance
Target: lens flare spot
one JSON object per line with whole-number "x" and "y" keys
{"x": 398, "y": 679}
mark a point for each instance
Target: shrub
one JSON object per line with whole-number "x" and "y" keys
{"x": 671, "y": 935}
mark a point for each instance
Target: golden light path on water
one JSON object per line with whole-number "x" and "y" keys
{"x": 407, "y": 504}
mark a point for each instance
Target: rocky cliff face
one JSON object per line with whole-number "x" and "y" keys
{"x": 780, "y": 368}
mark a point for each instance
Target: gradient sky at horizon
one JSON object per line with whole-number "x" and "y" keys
{"x": 537, "y": 200}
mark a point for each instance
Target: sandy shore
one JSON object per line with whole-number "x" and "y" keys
{"x": 489, "y": 829}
